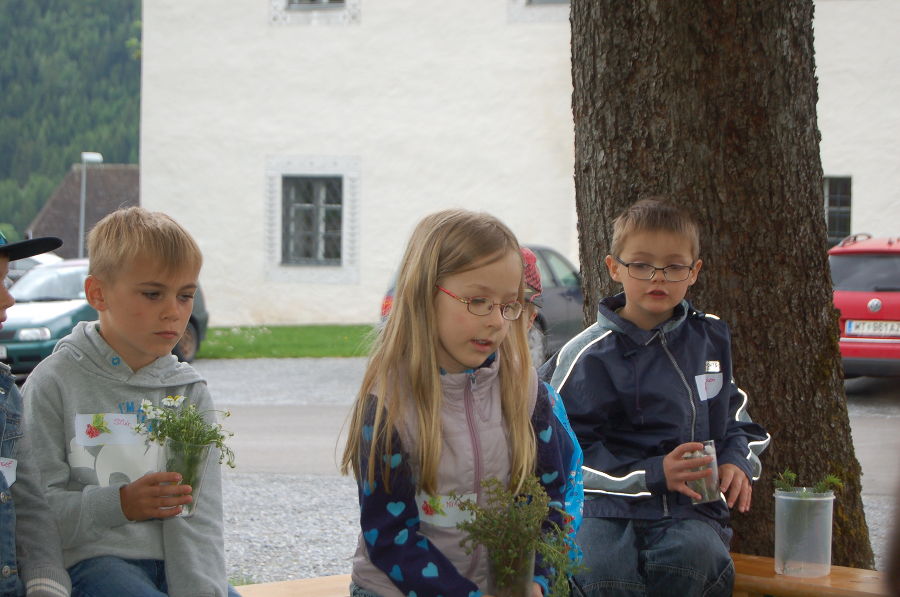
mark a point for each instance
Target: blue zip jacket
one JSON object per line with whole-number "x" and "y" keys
{"x": 633, "y": 395}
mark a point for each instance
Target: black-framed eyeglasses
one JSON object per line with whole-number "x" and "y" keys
{"x": 479, "y": 305}
{"x": 645, "y": 271}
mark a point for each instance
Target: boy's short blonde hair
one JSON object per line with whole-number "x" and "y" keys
{"x": 126, "y": 234}
{"x": 655, "y": 214}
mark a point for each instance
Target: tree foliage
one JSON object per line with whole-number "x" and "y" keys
{"x": 68, "y": 83}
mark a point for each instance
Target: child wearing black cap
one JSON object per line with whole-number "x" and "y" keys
{"x": 31, "y": 560}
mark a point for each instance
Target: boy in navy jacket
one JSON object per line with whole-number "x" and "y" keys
{"x": 643, "y": 387}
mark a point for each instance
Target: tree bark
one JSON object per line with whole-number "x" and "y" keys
{"x": 713, "y": 104}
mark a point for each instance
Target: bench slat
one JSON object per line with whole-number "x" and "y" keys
{"x": 755, "y": 575}
{"x": 323, "y": 586}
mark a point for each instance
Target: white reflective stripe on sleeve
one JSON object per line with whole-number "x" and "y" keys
{"x": 577, "y": 356}
{"x": 637, "y": 476}
{"x": 743, "y": 407}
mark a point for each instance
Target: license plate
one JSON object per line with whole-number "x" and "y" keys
{"x": 2, "y": 351}
{"x": 872, "y": 328}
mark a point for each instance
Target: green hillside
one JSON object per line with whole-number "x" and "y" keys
{"x": 70, "y": 77}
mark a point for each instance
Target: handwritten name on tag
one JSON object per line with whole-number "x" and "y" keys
{"x": 8, "y": 469}
{"x": 106, "y": 428}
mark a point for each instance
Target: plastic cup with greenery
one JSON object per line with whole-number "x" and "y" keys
{"x": 803, "y": 519}
{"x": 513, "y": 527}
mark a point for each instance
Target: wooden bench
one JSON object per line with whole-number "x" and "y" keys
{"x": 323, "y": 586}
{"x": 755, "y": 576}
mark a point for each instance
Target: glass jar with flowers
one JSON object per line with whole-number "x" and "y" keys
{"x": 186, "y": 439}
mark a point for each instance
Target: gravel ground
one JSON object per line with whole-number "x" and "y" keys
{"x": 282, "y": 527}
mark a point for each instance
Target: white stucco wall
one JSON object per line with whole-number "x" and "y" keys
{"x": 434, "y": 105}
{"x": 440, "y": 104}
{"x": 858, "y": 67}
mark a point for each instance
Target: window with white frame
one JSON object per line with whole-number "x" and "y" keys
{"x": 314, "y": 12}
{"x": 311, "y": 220}
{"x": 537, "y": 11}
{"x": 301, "y": 4}
{"x": 837, "y": 207}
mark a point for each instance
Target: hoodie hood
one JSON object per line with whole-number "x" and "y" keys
{"x": 96, "y": 356}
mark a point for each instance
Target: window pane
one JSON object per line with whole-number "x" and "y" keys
{"x": 565, "y": 274}
{"x": 312, "y": 221}
{"x": 838, "y": 204}
{"x": 865, "y": 272}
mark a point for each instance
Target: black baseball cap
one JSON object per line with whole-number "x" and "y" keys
{"x": 27, "y": 248}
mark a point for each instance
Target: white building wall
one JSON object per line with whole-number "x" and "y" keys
{"x": 440, "y": 105}
{"x": 429, "y": 105}
{"x": 858, "y": 67}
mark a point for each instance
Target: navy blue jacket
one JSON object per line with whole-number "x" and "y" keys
{"x": 633, "y": 395}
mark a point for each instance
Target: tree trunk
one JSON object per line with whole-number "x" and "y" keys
{"x": 713, "y": 104}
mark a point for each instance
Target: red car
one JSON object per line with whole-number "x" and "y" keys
{"x": 866, "y": 276}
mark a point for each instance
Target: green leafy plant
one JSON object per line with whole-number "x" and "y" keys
{"x": 787, "y": 481}
{"x": 185, "y": 424}
{"x": 514, "y": 527}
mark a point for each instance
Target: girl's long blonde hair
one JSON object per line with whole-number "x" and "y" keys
{"x": 403, "y": 377}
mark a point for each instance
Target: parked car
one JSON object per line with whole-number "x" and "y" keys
{"x": 866, "y": 276}
{"x": 18, "y": 267}
{"x": 561, "y": 316}
{"x": 50, "y": 300}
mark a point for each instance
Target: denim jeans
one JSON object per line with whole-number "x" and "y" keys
{"x": 109, "y": 576}
{"x": 659, "y": 558}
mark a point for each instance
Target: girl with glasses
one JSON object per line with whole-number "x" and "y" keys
{"x": 449, "y": 399}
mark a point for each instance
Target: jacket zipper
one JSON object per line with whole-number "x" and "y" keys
{"x": 473, "y": 435}
{"x": 687, "y": 386}
{"x": 469, "y": 401}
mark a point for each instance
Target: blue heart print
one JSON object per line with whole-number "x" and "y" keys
{"x": 548, "y": 478}
{"x": 411, "y": 594}
{"x": 430, "y": 571}
{"x": 367, "y": 432}
{"x": 396, "y": 508}
{"x": 412, "y": 521}
{"x": 395, "y": 460}
{"x": 423, "y": 544}
{"x": 401, "y": 537}
{"x": 396, "y": 573}
{"x": 371, "y": 536}
{"x": 367, "y": 489}
{"x": 546, "y": 434}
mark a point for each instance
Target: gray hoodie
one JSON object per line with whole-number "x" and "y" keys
{"x": 82, "y": 472}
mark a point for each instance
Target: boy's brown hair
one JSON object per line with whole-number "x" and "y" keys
{"x": 126, "y": 234}
{"x": 652, "y": 214}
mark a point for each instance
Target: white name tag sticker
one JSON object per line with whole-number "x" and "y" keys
{"x": 708, "y": 385}
{"x": 443, "y": 510}
{"x": 106, "y": 428}
{"x": 8, "y": 469}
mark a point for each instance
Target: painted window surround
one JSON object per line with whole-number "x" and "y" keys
{"x": 348, "y": 168}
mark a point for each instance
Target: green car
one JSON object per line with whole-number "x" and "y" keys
{"x": 50, "y": 301}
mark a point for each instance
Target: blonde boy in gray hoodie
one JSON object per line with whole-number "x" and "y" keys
{"x": 120, "y": 530}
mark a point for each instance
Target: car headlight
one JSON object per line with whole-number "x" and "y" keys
{"x": 33, "y": 334}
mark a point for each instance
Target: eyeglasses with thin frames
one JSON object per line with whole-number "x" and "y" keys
{"x": 645, "y": 271}
{"x": 479, "y": 305}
